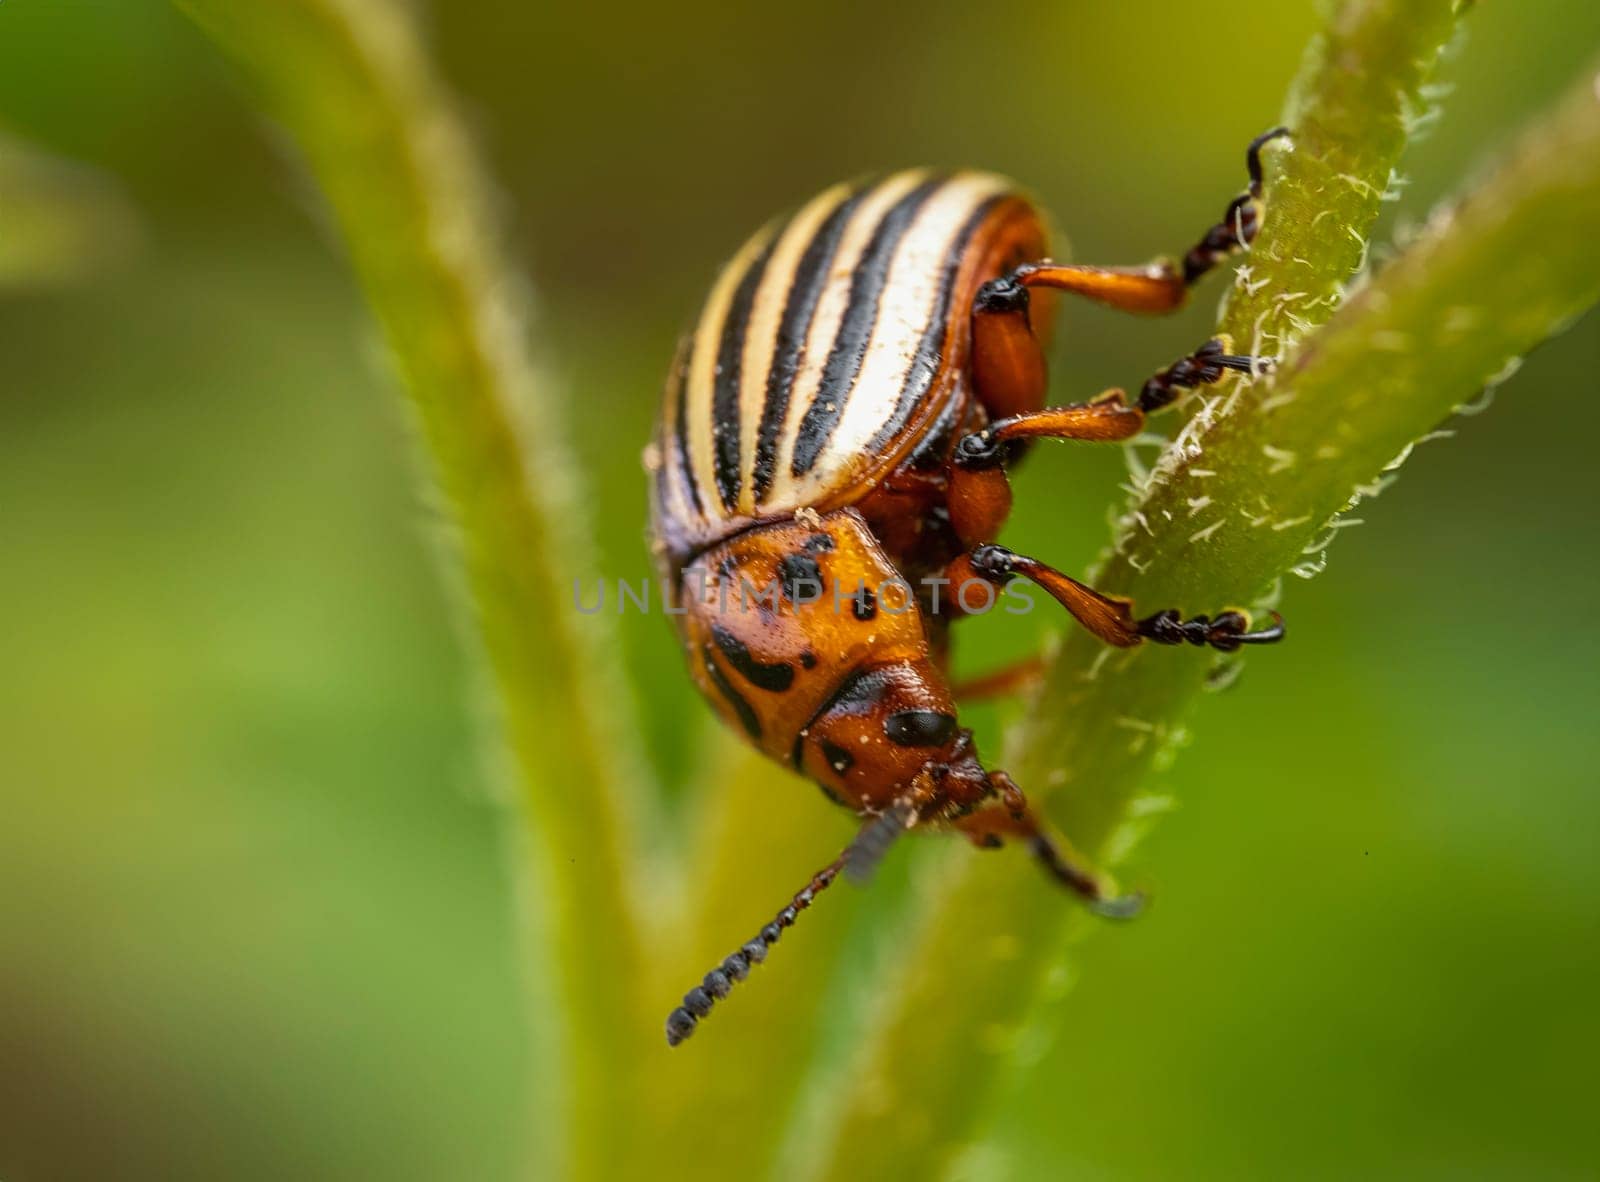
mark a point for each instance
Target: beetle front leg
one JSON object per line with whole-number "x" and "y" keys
{"x": 1110, "y": 617}
{"x": 1009, "y": 816}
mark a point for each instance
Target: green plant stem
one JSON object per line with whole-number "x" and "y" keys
{"x": 1234, "y": 504}
{"x": 1365, "y": 85}
{"x": 351, "y": 83}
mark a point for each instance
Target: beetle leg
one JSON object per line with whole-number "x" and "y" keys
{"x": 1206, "y": 366}
{"x": 978, "y": 499}
{"x": 1010, "y": 816}
{"x": 979, "y": 495}
{"x": 1107, "y": 418}
{"x": 1000, "y": 312}
{"x": 1239, "y": 225}
{"x": 1008, "y": 363}
{"x": 1110, "y": 617}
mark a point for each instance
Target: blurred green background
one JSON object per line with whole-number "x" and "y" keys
{"x": 255, "y": 920}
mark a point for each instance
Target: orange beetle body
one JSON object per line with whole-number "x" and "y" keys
{"x": 830, "y": 475}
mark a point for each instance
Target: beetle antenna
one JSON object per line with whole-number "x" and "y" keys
{"x": 858, "y": 860}
{"x": 861, "y": 856}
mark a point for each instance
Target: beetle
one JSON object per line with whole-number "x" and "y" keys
{"x": 832, "y": 454}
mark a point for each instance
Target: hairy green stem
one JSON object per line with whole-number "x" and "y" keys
{"x": 1251, "y": 484}
{"x": 1364, "y": 88}
{"x": 352, "y": 85}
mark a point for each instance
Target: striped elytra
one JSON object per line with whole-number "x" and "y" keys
{"x": 827, "y": 347}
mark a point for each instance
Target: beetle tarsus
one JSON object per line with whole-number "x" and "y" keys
{"x": 1120, "y": 908}
{"x": 1252, "y": 156}
{"x": 1225, "y": 633}
{"x": 1206, "y": 366}
{"x": 1240, "y": 223}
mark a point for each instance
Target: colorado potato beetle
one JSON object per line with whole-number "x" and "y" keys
{"x": 832, "y": 456}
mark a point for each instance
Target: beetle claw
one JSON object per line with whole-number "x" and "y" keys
{"x": 1122, "y": 907}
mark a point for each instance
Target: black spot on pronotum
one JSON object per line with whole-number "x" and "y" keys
{"x": 864, "y": 605}
{"x": 838, "y": 758}
{"x": 747, "y": 716}
{"x": 775, "y": 677}
{"x": 801, "y": 578}
{"x": 818, "y": 544}
{"x": 919, "y": 728}
{"x": 808, "y": 660}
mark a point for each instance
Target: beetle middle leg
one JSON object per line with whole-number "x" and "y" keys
{"x": 1109, "y": 417}
{"x": 979, "y": 493}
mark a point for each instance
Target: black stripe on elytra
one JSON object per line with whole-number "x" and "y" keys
{"x": 725, "y": 403}
{"x": 680, "y": 437}
{"x": 930, "y": 350}
{"x": 855, "y": 329}
{"x": 747, "y": 716}
{"x": 788, "y": 351}
{"x": 775, "y": 678}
